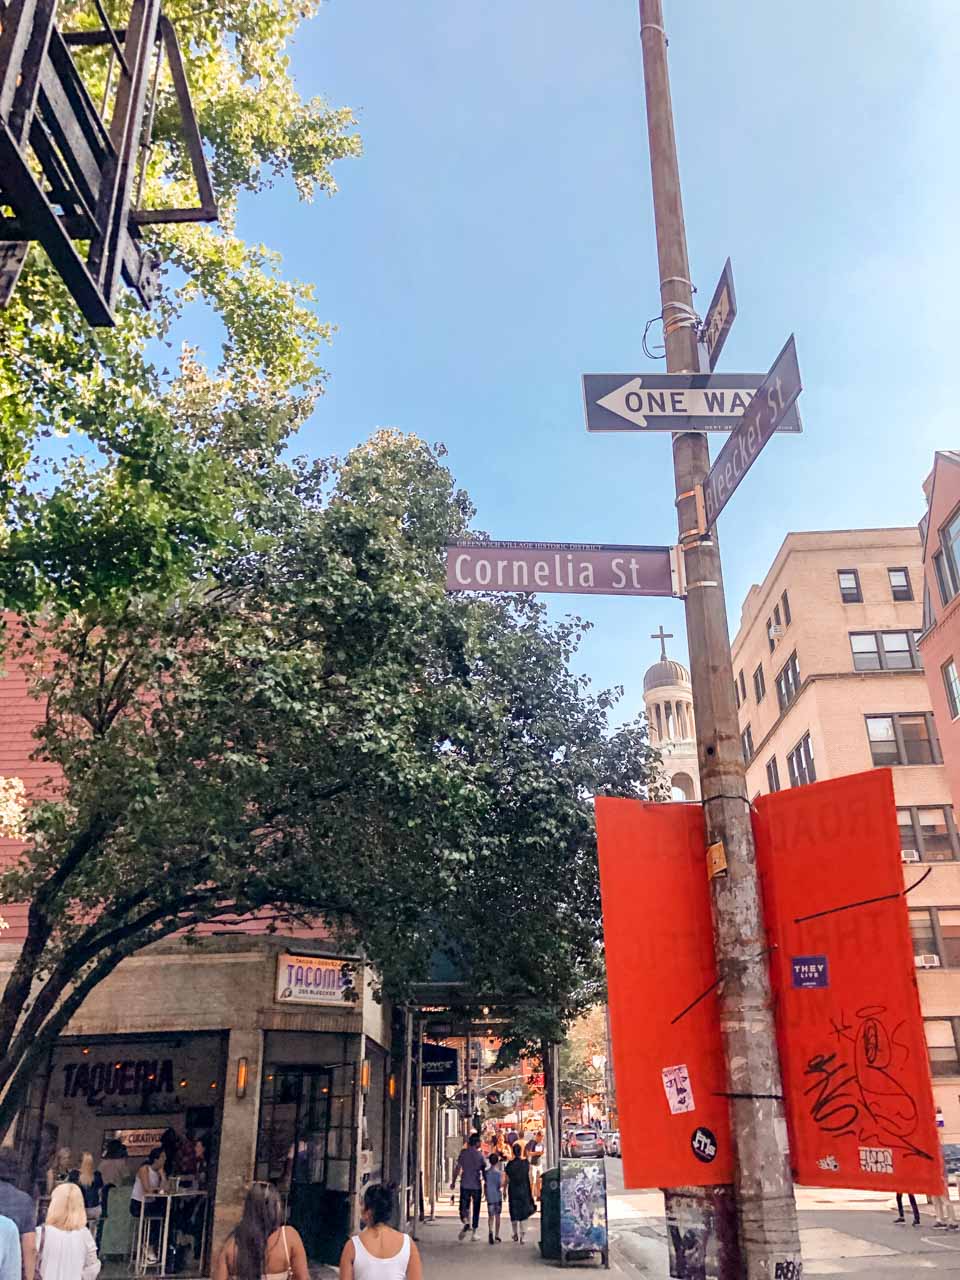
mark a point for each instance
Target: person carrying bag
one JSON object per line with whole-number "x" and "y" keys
{"x": 65, "y": 1248}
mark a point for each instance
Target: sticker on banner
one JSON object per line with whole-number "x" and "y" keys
{"x": 809, "y": 972}
{"x": 830, "y": 1163}
{"x": 876, "y": 1160}
{"x": 677, "y": 1087}
{"x": 704, "y": 1144}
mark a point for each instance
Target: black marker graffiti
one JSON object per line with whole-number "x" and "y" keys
{"x": 858, "y": 1091}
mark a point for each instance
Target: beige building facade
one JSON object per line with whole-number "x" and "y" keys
{"x": 829, "y": 681}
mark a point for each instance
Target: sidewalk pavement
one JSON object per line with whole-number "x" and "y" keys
{"x": 445, "y": 1257}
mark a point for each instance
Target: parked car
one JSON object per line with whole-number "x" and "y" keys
{"x": 611, "y": 1142}
{"x": 951, "y": 1158}
{"x": 584, "y": 1144}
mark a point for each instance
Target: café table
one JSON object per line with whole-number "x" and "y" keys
{"x": 171, "y": 1200}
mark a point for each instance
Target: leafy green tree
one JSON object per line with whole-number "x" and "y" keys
{"x": 169, "y": 450}
{"x": 318, "y": 728}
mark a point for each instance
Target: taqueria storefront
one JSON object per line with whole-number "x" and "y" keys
{"x": 271, "y": 1051}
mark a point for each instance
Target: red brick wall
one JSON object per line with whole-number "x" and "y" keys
{"x": 942, "y": 641}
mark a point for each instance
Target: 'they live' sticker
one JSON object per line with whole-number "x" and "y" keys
{"x": 809, "y": 971}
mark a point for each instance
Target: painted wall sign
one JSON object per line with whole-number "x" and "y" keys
{"x": 807, "y": 972}
{"x": 136, "y": 1142}
{"x": 314, "y": 980}
{"x": 578, "y": 568}
{"x": 95, "y": 1080}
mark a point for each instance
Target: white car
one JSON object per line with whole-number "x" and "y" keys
{"x": 611, "y": 1142}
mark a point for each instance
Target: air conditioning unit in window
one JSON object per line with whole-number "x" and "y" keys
{"x": 909, "y": 855}
{"x": 775, "y": 632}
{"x": 927, "y": 961}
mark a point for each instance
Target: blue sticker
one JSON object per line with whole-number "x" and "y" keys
{"x": 810, "y": 971}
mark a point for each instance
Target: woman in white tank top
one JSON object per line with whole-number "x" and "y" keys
{"x": 379, "y": 1253}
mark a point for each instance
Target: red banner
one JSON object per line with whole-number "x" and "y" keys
{"x": 661, "y": 975}
{"x": 859, "y": 1102}
{"x": 853, "y": 1054}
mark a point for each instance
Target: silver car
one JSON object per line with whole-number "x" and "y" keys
{"x": 584, "y": 1144}
{"x": 611, "y": 1141}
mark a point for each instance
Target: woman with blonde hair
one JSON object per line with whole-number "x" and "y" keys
{"x": 65, "y": 1247}
{"x": 90, "y": 1181}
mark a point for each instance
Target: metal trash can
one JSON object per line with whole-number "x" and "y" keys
{"x": 550, "y": 1214}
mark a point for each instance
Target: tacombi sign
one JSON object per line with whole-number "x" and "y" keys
{"x": 579, "y": 568}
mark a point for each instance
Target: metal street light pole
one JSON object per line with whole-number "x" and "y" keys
{"x": 766, "y": 1212}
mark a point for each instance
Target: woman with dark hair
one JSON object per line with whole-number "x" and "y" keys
{"x": 519, "y": 1193}
{"x": 380, "y": 1253}
{"x": 261, "y": 1247}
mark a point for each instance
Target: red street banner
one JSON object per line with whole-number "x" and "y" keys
{"x": 661, "y": 980}
{"x": 852, "y": 1048}
{"x": 858, "y": 1096}
{"x": 579, "y": 568}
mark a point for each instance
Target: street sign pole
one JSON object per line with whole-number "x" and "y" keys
{"x": 766, "y": 1213}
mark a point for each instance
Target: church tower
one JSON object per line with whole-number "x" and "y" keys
{"x": 668, "y": 697}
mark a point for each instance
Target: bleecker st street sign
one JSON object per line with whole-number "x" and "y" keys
{"x": 577, "y": 568}
{"x": 773, "y": 401}
{"x": 670, "y": 401}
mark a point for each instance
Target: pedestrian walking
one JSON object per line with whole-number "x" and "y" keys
{"x": 18, "y": 1206}
{"x": 519, "y": 1193}
{"x": 494, "y": 1184}
{"x": 65, "y": 1248}
{"x": 469, "y": 1169}
{"x": 946, "y": 1218}
{"x": 899, "y": 1219}
{"x": 261, "y": 1247}
{"x": 379, "y": 1252}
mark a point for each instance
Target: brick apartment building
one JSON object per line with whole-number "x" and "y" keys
{"x": 940, "y": 642}
{"x": 829, "y": 681}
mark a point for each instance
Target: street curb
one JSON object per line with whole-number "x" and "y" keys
{"x": 641, "y": 1252}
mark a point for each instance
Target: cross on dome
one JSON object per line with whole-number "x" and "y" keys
{"x": 663, "y": 637}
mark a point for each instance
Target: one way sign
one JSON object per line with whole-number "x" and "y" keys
{"x": 670, "y": 401}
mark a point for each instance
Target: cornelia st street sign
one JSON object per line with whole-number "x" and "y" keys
{"x": 577, "y": 568}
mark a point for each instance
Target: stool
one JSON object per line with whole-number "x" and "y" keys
{"x": 147, "y": 1237}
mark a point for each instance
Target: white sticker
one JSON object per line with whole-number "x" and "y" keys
{"x": 676, "y": 1085}
{"x": 876, "y": 1159}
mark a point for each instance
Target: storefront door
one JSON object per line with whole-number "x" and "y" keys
{"x": 301, "y": 1115}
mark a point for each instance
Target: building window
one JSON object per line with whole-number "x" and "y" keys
{"x": 759, "y": 684}
{"x": 743, "y": 687}
{"x": 903, "y": 739}
{"x": 928, "y": 833}
{"x": 777, "y": 620}
{"x": 945, "y": 579}
{"x": 849, "y": 581}
{"x": 788, "y": 682}
{"x": 900, "y": 584}
{"x": 942, "y": 1046}
{"x": 773, "y": 774}
{"x": 922, "y": 932}
{"x": 736, "y": 692}
{"x": 746, "y": 744}
{"x": 948, "y": 923}
{"x": 800, "y": 763}
{"x": 947, "y": 559}
{"x": 785, "y": 601}
{"x": 952, "y": 685}
{"x": 885, "y": 651}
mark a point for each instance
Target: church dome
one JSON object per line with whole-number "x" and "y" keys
{"x": 665, "y": 672}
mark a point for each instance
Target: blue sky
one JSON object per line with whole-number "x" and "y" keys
{"x": 496, "y": 241}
